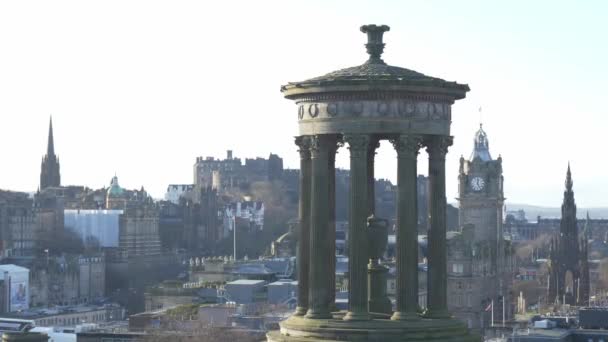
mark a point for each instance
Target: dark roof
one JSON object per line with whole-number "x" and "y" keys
{"x": 372, "y": 71}
{"x": 376, "y": 73}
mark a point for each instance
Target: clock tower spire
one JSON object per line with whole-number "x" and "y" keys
{"x": 477, "y": 256}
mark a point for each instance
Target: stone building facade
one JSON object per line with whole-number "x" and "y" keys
{"x": 479, "y": 258}
{"x": 68, "y": 280}
{"x": 18, "y": 224}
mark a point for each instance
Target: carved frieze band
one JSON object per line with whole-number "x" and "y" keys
{"x": 404, "y": 109}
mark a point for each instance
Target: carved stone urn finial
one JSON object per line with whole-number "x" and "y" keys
{"x": 377, "y": 234}
{"x": 374, "y": 45}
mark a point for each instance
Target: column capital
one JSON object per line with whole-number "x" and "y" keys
{"x": 320, "y": 144}
{"x": 303, "y": 142}
{"x": 437, "y": 145}
{"x": 374, "y": 143}
{"x": 358, "y": 144}
{"x": 407, "y": 145}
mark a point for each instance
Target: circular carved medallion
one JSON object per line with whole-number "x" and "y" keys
{"x": 332, "y": 109}
{"x": 313, "y": 110}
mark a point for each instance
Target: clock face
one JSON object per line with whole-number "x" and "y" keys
{"x": 477, "y": 183}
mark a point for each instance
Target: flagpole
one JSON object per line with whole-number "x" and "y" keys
{"x": 492, "y": 313}
{"x": 234, "y": 235}
{"x": 503, "y": 311}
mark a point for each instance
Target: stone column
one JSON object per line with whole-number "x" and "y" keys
{"x": 303, "y": 253}
{"x": 357, "y": 228}
{"x": 319, "y": 216}
{"x": 331, "y": 231}
{"x": 371, "y": 184}
{"x": 407, "y": 228}
{"x": 437, "y": 148}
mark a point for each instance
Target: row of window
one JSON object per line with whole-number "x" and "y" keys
{"x": 67, "y": 321}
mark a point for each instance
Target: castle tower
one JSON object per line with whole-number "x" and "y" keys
{"x": 49, "y": 170}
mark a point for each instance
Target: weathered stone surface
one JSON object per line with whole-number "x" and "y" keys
{"x": 361, "y": 106}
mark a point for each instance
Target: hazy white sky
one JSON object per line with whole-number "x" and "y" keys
{"x": 142, "y": 88}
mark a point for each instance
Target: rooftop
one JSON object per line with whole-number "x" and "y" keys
{"x": 246, "y": 282}
{"x": 375, "y": 74}
{"x": 13, "y": 268}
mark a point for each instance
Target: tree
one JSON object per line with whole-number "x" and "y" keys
{"x": 59, "y": 241}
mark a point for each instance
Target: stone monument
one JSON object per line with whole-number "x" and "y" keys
{"x": 360, "y": 106}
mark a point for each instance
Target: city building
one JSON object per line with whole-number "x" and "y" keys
{"x": 70, "y": 316}
{"x": 100, "y": 226}
{"x": 176, "y": 191}
{"x": 18, "y": 224}
{"x": 247, "y": 212}
{"x": 480, "y": 271}
{"x": 16, "y": 288}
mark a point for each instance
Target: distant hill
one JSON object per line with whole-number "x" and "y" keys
{"x": 532, "y": 211}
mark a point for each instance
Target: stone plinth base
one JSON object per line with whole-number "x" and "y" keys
{"x": 299, "y": 329}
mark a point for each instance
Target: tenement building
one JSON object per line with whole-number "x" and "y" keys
{"x": 479, "y": 257}
{"x": 359, "y": 107}
{"x": 139, "y": 222}
{"x": 569, "y": 267}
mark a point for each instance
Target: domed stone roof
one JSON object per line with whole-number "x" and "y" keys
{"x": 375, "y": 73}
{"x": 115, "y": 190}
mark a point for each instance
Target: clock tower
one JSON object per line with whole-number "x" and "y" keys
{"x": 479, "y": 258}
{"x": 480, "y": 191}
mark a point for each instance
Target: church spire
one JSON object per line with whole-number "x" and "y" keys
{"x": 50, "y": 148}
{"x": 49, "y": 171}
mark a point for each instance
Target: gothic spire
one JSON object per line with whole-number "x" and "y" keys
{"x": 50, "y": 149}
{"x": 568, "y": 205}
{"x": 569, "y": 179}
{"x": 49, "y": 172}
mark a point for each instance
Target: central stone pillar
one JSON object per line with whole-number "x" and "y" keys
{"x": 437, "y": 304}
{"x": 303, "y": 253}
{"x": 378, "y": 301}
{"x": 358, "y": 144}
{"x": 319, "y": 265}
{"x": 407, "y": 228}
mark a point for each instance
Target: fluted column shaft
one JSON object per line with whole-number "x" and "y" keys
{"x": 319, "y": 216}
{"x": 331, "y": 231}
{"x": 371, "y": 181}
{"x": 407, "y": 148}
{"x": 437, "y": 147}
{"x": 357, "y": 228}
{"x": 303, "y": 252}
